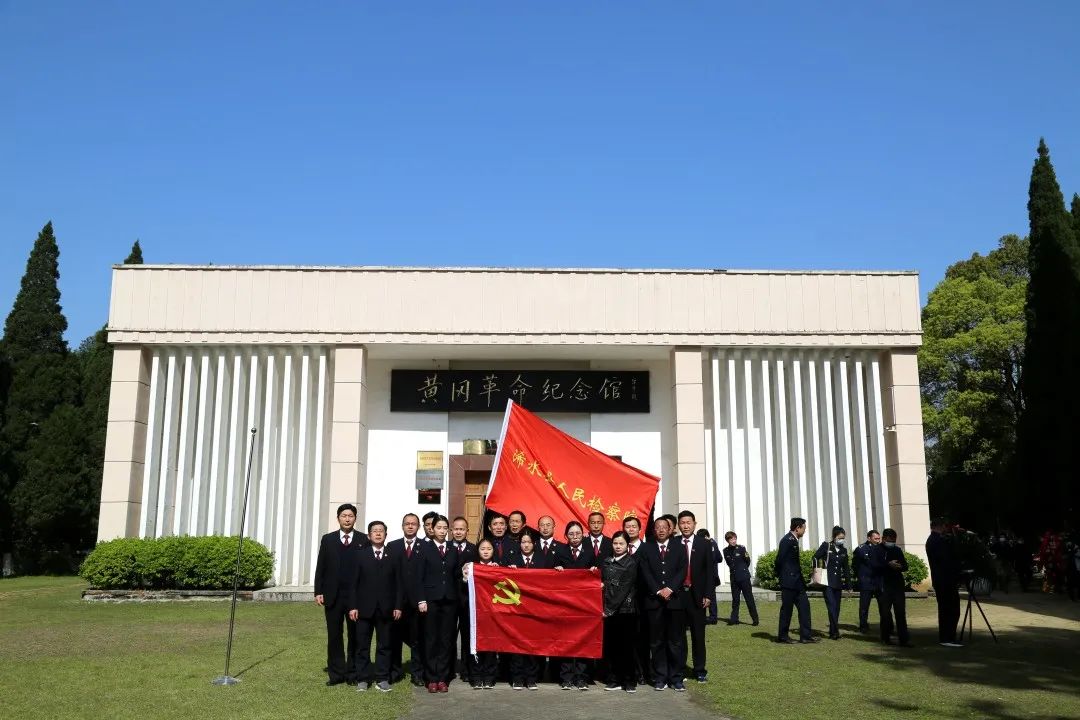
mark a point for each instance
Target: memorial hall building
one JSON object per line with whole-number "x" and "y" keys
{"x": 754, "y": 395}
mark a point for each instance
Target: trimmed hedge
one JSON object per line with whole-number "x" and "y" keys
{"x": 766, "y": 574}
{"x": 168, "y": 563}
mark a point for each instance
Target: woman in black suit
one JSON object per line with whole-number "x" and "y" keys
{"x": 525, "y": 669}
{"x": 835, "y": 558}
{"x": 573, "y": 673}
{"x": 620, "y": 577}
{"x": 436, "y": 593}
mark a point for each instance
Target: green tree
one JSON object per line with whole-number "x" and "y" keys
{"x": 970, "y": 366}
{"x": 135, "y": 256}
{"x": 40, "y": 375}
{"x": 1048, "y": 448}
{"x": 1076, "y": 216}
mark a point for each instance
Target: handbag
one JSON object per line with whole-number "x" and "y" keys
{"x": 820, "y": 575}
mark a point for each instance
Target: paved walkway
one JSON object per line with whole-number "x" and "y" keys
{"x": 551, "y": 702}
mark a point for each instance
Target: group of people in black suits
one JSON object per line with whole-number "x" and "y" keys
{"x": 879, "y": 566}
{"x": 412, "y": 591}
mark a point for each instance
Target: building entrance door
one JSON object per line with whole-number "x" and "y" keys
{"x": 468, "y": 481}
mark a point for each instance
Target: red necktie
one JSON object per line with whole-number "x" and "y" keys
{"x": 575, "y": 553}
{"x": 663, "y": 552}
{"x": 498, "y": 548}
{"x": 345, "y": 540}
{"x": 528, "y": 562}
{"x": 686, "y": 542}
{"x": 442, "y": 551}
{"x": 596, "y": 547}
{"x": 631, "y": 549}
{"x": 408, "y": 549}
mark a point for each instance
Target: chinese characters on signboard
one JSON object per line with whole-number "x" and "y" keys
{"x": 591, "y": 391}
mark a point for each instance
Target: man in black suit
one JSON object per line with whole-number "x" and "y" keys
{"x": 516, "y": 525}
{"x": 335, "y": 573}
{"x": 662, "y": 564}
{"x": 866, "y": 577}
{"x": 459, "y": 534}
{"x": 547, "y": 545}
{"x": 375, "y": 604}
{"x": 944, "y": 576}
{"x": 889, "y": 564}
{"x": 599, "y": 545}
{"x": 698, "y": 584}
{"x": 506, "y": 550}
{"x": 436, "y": 599}
{"x": 409, "y": 630}
{"x": 632, "y": 527}
{"x": 792, "y": 585}
{"x": 738, "y": 562}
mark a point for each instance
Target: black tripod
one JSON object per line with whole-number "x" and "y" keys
{"x": 968, "y": 623}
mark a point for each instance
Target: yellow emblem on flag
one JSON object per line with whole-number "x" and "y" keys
{"x": 511, "y": 593}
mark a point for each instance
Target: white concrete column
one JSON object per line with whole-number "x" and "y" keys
{"x": 348, "y": 434}
{"x": 905, "y": 459}
{"x": 125, "y": 443}
{"x": 688, "y": 434}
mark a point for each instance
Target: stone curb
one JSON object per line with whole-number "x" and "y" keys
{"x": 94, "y": 595}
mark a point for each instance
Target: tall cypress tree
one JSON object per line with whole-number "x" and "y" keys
{"x": 135, "y": 256}
{"x": 1076, "y": 216}
{"x": 1051, "y": 391}
{"x": 40, "y": 376}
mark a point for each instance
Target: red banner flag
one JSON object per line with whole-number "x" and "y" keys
{"x": 541, "y": 470}
{"x": 536, "y": 612}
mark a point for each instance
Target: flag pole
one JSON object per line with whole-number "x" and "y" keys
{"x": 228, "y": 679}
{"x": 499, "y": 450}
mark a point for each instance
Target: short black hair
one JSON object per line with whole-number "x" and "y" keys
{"x": 438, "y": 519}
{"x": 430, "y": 516}
{"x": 730, "y": 534}
{"x": 703, "y": 533}
{"x": 373, "y": 523}
{"x": 621, "y": 534}
{"x": 517, "y": 512}
{"x": 494, "y": 516}
{"x": 571, "y": 524}
{"x": 632, "y": 518}
{"x": 595, "y": 513}
{"x": 797, "y": 522}
{"x": 671, "y": 519}
{"x": 687, "y": 513}
{"x": 888, "y": 533}
{"x": 870, "y": 532}
{"x": 346, "y": 506}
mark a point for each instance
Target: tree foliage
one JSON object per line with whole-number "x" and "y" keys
{"x": 135, "y": 256}
{"x": 1049, "y": 456}
{"x": 970, "y": 366}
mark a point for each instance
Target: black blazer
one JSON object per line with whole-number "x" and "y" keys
{"x": 437, "y": 576}
{"x": 407, "y": 566}
{"x": 787, "y": 566}
{"x": 335, "y": 567}
{"x": 738, "y": 562}
{"x": 944, "y": 569}
{"x": 892, "y": 580}
{"x": 865, "y": 575}
{"x": 836, "y": 567}
{"x": 511, "y": 553}
{"x": 376, "y": 589}
{"x": 667, "y": 573}
{"x": 702, "y": 569}
{"x": 467, "y": 555}
{"x": 564, "y": 557}
{"x": 605, "y": 548}
{"x": 539, "y": 562}
{"x": 554, "y": 548}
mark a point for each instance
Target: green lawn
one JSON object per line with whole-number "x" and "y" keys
{"x": 62, "y": 657}
{"x": 1033, "y": 673}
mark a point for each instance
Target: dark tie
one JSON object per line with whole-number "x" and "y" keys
{"x": 408, "y": 549}
{"x": 442, "y": 551}
{"x": 378, "y": 554}
{"x": 631, "y": 549}
{"x": 596, "y": 546}
{"x": 663, "y": 552}
{"x": 498, "y": 549}
{"x": 545, "y": 547}
{"x": 528, "y": 562}
{"x": 686, "y": 542}
{"x": 345, "y": 540}
{"x": 575, "y": 553}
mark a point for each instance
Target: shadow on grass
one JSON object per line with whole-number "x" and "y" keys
{"x": 260, "y": 661}
{"x": 1057, "y": 605}
{"x": 1027, "y": 658}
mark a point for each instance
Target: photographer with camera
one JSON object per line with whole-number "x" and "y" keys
{"x": 944, "y": 576}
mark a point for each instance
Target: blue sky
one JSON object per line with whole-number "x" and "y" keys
{"x": 629, "y": 134}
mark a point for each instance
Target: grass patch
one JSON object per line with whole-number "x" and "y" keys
{"x": 1031, "y": 673}
{"x": 63, "y": 657}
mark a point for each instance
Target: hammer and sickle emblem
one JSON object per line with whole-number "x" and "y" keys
{"x": 511, "y": 593}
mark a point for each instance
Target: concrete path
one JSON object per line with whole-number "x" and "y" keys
{"x": 554, "y": 704}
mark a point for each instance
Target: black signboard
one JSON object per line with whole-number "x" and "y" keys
{"x": 590, "y": 391}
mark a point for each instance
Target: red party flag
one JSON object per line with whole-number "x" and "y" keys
{"x": 541, "y": 470}
{"x": 536, "y": 612}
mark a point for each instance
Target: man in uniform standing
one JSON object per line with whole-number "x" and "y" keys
{"x": 866, "y": 577}
{"x": 792, "y": 585}
{"x": 335, "y": 572}
{"x": 738, "y": 562}
{"x": 944, "y": 576}
{"x": 662, "y": 564}
{"x": 409, "y": 629}
{"x": 698, "y": 584}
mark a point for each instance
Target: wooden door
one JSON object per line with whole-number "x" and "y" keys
{"x": 476, "y": 482}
